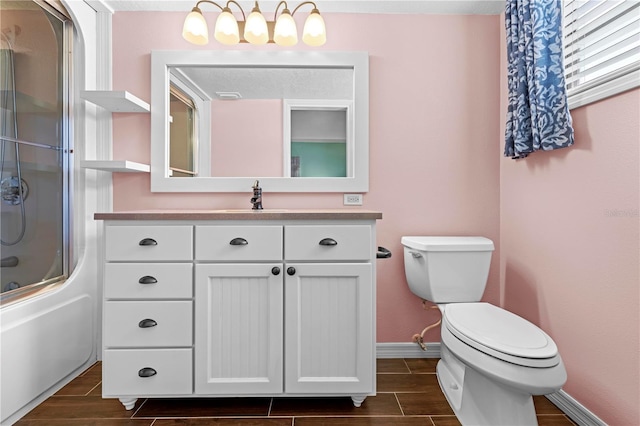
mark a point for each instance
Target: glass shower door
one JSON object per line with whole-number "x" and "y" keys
{"x": 34, "y": 147}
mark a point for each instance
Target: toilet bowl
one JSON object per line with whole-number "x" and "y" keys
{"x": 492, "y": 361}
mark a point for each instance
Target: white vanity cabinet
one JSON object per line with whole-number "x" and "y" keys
{"x": 147, "y": 312}
{"x": 271, "y": 307}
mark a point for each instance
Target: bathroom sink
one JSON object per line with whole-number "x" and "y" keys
{"x": 253, "y": 211}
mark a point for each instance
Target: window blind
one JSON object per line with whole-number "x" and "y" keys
{"x": 601, "y": 48}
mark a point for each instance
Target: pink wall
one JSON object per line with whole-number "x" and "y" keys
{"x": 241, "y": 131}
{"x": 569, "y": 257}
{"x": 434, "y": 133}
{"x": 565, "y": 223}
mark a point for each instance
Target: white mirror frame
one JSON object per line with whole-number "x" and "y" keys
{"x": 162, "y": 60}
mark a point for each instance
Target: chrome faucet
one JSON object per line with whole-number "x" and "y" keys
{"x": 256, "y": 200}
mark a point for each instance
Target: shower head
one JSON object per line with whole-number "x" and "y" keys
{"x": 8, "y": 36}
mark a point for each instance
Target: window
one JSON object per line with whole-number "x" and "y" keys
{"x": 182, "y": 135}
{"x": 602, "y": 48}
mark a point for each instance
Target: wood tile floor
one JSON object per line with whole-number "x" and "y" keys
{"x": 408, "y": 394}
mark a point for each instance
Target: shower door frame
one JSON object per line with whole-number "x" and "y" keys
{"x": 66, "y": 150}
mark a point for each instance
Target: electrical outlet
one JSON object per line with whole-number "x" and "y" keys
{"x": 352, "y": 199}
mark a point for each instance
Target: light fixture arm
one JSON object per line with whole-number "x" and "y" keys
{"x": 286, "y": 6}
{"x": 223, "y": 8}
{"x": 302, "y": 4}
{"x": 275, "y": 14}
{"x": 197, "y": 6}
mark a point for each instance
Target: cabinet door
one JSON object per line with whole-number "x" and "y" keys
{"x": 238, "y": 329}
{"x": 329, "y": 329}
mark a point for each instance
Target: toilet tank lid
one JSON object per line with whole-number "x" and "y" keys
{"x": 454, "y": 243}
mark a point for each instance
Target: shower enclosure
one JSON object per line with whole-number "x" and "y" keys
{"x": 34, "y": 151}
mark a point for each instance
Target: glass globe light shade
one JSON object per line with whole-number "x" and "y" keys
{"x": 285, "y": 33}
{"x": 314, "y": 32}
{"x": 226, "y": 30}
{"x": 195, "y": 29}
{"x": 255, "y": 29}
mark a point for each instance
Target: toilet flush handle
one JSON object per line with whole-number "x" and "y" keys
{"x": 415, "y": 254}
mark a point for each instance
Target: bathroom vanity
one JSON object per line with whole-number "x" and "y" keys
{"x": 239, "y": 303}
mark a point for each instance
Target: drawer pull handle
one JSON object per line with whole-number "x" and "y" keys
{"x": 275, "y": 270}
{"x": 148, "y": 242}
{"x": 147, "y": 372}
{"x": 147, "y": 323}
{"x": 328, "y": 242}
{"x": 291, "y": 270}
{"x": 238, "y": 242}
{"x": 147, "y": 279}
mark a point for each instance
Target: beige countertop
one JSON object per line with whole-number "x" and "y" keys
{"x": 242, "y": 214}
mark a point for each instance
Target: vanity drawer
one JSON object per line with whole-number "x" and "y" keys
{"x": 149, "y": 243}
{"x": 239, "y": 243}
{"x": 330, "y": 242}
{"x": 131, "y": 324}
{"x": 131, "y": 372}
{"x": 148, "y": 281}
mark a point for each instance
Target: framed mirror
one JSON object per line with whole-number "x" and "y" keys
{"x": 296, "y": 121}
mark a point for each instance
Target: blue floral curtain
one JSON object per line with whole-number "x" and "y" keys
{"x": 538, "y": 115}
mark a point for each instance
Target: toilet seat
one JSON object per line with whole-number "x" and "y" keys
{"x": 501, "y": 334}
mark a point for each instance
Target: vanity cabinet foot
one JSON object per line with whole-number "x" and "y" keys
{"x": 358, "y": 400}
{"x": 129, "y": 403}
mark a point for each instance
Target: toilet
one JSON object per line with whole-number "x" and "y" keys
{"x": 492, "y": 361}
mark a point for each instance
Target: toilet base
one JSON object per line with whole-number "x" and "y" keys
{"x": 478, "y": 400}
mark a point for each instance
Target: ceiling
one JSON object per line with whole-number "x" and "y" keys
{"x": 456, "y": 7}
{"x": 270, "y": 82}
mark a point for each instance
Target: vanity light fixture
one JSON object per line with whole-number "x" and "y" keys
{"x": 255, "y": 29}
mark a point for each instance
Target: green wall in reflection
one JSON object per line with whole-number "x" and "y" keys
{"x": 318, "y": 159}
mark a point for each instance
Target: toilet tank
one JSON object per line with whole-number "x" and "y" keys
{"x": 447, "y": 269}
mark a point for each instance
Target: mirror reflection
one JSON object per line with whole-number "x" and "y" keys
{"x": 318, "y": 143}
{"x": 247, "y": 111}
{"x": 297, "y": 121}
{"x": 182, "y": 113}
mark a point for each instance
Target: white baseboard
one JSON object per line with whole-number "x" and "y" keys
{"x": 407, "y": 350}
{"x": 574, "y": 410}
{"x": 567, "y": 404}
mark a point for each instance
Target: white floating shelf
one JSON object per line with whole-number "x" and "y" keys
{"x": 116, "y": 166}
{"x": 116, "y": 101}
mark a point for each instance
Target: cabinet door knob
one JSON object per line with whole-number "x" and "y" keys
{"x": 275, "y": 270}
{"x": 328, "y": 242}
{"x": 148, "y": 242}
{"x": 147, "y": 323}
{"x": 147, "y": 279}
{"x": 291, "y": 270}
{"x": 238, "y": 242}
{"x": 147, "y": 372}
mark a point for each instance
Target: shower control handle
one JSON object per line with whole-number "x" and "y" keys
{"x": 147, "y": 279}
{"x": 148, "y": 242}
{"x": 147, "y": 372}
{"x": 147, "y": 323}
